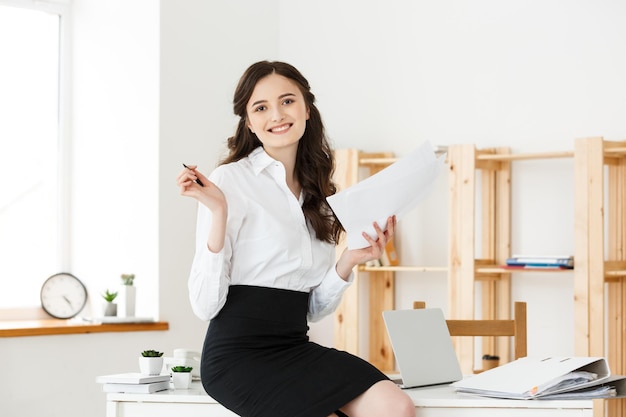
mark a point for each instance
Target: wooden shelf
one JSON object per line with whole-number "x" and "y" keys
{"x": 497, "y": 269}
{"x": 523, "y": 156}
{"x": 404, "y": 268}
{"x": 614, "y": 271}
{"x": 46, "y": 327}
{"x": 372, "y": 160}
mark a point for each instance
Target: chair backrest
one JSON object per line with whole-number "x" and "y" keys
{"x": 515, "y": 327}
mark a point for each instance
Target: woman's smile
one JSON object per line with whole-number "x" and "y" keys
{"x": 280, "y": 129}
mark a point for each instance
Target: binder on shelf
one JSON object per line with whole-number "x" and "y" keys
{"x": 547, "y": 378}
{"x": 390, "y": 255}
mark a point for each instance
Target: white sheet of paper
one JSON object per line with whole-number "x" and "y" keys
{"x": 395, "y": 190}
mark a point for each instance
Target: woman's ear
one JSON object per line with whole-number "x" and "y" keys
{"x": 308, "y": 113}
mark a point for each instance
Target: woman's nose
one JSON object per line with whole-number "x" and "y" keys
{"x": 277, "y": 114}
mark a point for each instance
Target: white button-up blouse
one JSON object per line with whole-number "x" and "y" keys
{"x": 268, "y": 242}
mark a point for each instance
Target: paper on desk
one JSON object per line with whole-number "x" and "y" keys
{"x": 395, "y": 190}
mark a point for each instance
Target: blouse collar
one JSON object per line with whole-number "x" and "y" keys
{"x": 260, "y": 160}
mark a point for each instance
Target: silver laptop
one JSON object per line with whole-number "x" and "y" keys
{"x": 422, "y": 346}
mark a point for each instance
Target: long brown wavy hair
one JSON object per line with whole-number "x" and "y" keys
{"x": 315, "y": 163}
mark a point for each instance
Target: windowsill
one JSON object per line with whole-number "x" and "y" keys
{"x": 20, "y": 328}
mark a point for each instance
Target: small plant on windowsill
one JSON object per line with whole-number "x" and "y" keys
{"x": 109, "y": 296}
{"x": 129, "y": 295}
{"x": 110, "y": 308}
{"x": 127, "y": 279}
{"x": 181, "y": 376}
{"x": 151, "y": 362}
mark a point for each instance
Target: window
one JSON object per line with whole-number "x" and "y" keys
{"x": 33, "y": 235}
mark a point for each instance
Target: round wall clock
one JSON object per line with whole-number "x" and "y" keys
{"x": 63, "y": 296}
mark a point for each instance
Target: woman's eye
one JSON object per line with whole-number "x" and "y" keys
{"x": 288, "y": 101}
{"x": 260, "y": 108}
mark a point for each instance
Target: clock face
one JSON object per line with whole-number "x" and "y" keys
{"x": 63, "y": 296}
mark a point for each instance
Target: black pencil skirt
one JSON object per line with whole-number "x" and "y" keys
{"x": 257, "y": 359}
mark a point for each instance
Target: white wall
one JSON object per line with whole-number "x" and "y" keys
{"x": 205, "y": 46}
{"x": 153, "y": 88}
{"x": 531, "y": 75}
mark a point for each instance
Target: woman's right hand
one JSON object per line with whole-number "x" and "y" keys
{"x": 211, "y": 196}
{"x": 208, "y": 194}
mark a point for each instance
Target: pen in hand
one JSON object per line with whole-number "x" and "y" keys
{"x": 197, "y": 180}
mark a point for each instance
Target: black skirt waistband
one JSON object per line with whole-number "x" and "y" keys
{"x": 274, "y": 304}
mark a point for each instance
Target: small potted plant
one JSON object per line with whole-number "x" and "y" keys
{"x": 151, "y": 362}
{"x": 110, "y": 308}
{"x": 129, "y": 294}
{"x": 181, "y": 376}
{"x": 127, "y": 279}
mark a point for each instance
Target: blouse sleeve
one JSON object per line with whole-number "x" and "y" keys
{"x": 326, "y": 297}
{"x": 210, "y": 272}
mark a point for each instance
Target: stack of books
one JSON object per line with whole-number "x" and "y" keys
{"x": 539, "y": 262}
{"x": 134, "y": 382}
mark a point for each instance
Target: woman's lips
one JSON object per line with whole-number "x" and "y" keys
{"x": 281, "y": 128}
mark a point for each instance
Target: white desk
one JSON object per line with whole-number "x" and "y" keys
{"x": 441, "y": 401}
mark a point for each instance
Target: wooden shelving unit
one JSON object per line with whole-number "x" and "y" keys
{"x": 600, "y": 269}
{"x": 493, "y": 195}
{"x": 350, "y": 162}
{"x": 600, "y": 259}
{"x": 352, "y": 165}
{"x": 599, "y": 286}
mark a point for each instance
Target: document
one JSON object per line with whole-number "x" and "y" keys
{"x": 395, "y": 190}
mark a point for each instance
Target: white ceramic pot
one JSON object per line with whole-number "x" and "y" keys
{"x": 150, "y": 365}
{"x": 128, "y": 295}
{"x": 110, "y": 309}
{"x": 181, "y": 380}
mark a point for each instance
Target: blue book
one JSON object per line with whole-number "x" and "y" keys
{"x": 541, "y": 261}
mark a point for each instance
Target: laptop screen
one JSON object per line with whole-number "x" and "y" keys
{"x": 422, "y": 346}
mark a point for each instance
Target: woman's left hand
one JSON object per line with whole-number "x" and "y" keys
{"x": 352, "y": 257}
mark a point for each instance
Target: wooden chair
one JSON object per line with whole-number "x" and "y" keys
{"x": 515, "y": 327}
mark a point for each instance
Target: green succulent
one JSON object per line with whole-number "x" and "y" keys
{"x": 151, "y": 354}
{"x": 127, "y": 279}
{"x": 180, "y": 368}
{"x": 109, "y": 296}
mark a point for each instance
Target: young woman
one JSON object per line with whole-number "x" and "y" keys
{"x": 265, "y": 263}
